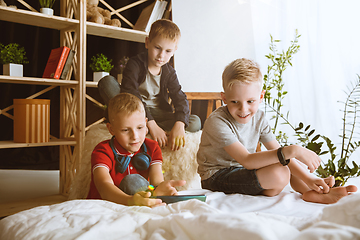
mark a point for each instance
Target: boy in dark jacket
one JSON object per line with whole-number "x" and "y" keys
{"x": 150, "y": 77}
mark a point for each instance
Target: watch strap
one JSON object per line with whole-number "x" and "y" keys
{"x": 281, "y": 157}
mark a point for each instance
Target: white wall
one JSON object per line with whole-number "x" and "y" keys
{"x": 215, "y": 32}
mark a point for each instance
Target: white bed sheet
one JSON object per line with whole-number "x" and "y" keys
{"x": 235, "y": 216}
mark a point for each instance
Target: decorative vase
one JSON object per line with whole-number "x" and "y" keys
{"x": 119, "y": 78}
{"x": 31, "y": 120}
{"x": 12, "y": 69}
{"x": 99, "y": 75}
{"x": 47, "y": 11}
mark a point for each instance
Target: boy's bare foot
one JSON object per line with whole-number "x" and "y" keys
{"x": 333, "y": 196}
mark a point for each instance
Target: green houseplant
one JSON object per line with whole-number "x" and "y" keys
{"x": 350, "y": 140}
{"x": 46, "y": 3}
{"x": 101, "y": 66}
{"x": 46, "y": 6}
{"x": 337, "y": 165}
{"x": 12, "y": 53}
{"x": 12, "y": 56}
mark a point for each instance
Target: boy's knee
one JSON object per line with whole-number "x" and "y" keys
{"x": 280, "y": 177}
{"x": 194, "y": 124}
{"x": 108, "y": 88}
{"x": 107, "y": 82}
{"x": 133, "y": 183}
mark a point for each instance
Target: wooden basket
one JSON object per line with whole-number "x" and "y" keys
{"x": 31, "y": 120}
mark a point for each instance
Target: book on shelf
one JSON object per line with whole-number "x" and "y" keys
{"x": 56, "y": 62}
{"x": 67, "y": 65}
{"x": 150, "y": 14}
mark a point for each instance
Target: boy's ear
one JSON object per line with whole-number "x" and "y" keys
{"x": 176, "y": 45}
{"x": 108, "y": 125}
{"x": 147, "y": 129}
{"x": 146, "y": 42}
{"x": 262, "y": 95}
{"x": 223, "y": 97}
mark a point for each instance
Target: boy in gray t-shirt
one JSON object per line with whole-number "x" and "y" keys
{"x": 227, "y": 156}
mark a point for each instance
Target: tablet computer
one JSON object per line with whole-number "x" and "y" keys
{"x": 178, "y": 198}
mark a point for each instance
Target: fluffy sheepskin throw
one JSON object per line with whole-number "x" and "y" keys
{"x": 176, "y": 165}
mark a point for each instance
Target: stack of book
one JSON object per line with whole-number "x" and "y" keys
{"x": 150, "y": 14}
{"x": 59, "y": 63}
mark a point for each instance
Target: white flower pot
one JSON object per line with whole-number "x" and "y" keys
{"x": 12, "y": 69}
{"x": 47, "y": 11}
{"x": 99, "y": 75}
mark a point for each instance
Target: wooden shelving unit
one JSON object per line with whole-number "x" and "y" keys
{"x": 31, "y": 18}
{"x": 52, "y": 142}
{"x": 115, "y": 32}
{"x": 38, "y": 81}
{"x": 73, "y": 29}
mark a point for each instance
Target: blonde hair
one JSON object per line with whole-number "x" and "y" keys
{"x": 125, "y": 103}
{"x": 166, "y": 29}
{"x": 241, "y": 70}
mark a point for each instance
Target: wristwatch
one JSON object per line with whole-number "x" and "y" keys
{"x": 281, "y": 157}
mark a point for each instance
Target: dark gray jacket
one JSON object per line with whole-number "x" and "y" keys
{"x": 135, "y": 73}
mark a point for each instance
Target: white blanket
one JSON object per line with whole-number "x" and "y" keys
{"x": 222, "y": 216}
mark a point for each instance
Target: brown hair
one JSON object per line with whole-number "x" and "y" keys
{"x": 125, "y": 103}
{"x": 164, "y": 28}
{"x": 241, "y": 70}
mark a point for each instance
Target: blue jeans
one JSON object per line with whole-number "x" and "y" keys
{"x": 109, "y": 87}
{"x": 234, "y": 180}
{"x": 166, "y": 120}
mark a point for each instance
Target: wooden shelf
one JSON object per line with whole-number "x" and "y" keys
{"x": 37, "y": 19}
{"x": 37, "y": 81}
{"x": 52, "y": 142}
{"x": 10, "y": 208}
{"x": 60, "y": 23}
{"x": 91, "y": 84}
{"x": 73, "y": 32}
{"x": 115, "y": 32}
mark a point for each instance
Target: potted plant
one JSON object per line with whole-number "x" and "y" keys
{"x": 336, "y": 165}
{"x": 101, "y": 66}
{"x": 12, "y": 56}
{"x": 350, "y": 141}
{"x": 46, "y": 6}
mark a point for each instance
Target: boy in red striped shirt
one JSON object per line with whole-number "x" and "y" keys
{"x": 124, "y": 166}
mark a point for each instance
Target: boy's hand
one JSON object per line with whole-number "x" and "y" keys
{"x": 157, "y": 133}
{"x": 306, "y": 156}
{"x": 143, "y": 199}
{"x": 321, "y": 185}
{"x": 177, "y": 136}
{"x": 167, "y": 188}
{"x": 330, "y": 181}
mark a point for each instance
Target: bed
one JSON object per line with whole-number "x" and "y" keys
{"x": 222, "y": 216}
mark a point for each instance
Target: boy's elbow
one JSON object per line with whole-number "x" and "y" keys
{"x": 246, "y": 162}
{"x": 248, "y": 166}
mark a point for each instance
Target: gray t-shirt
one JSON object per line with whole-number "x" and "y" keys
{"x": 150, "y": 90}
{"x": 221, "y": 130}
